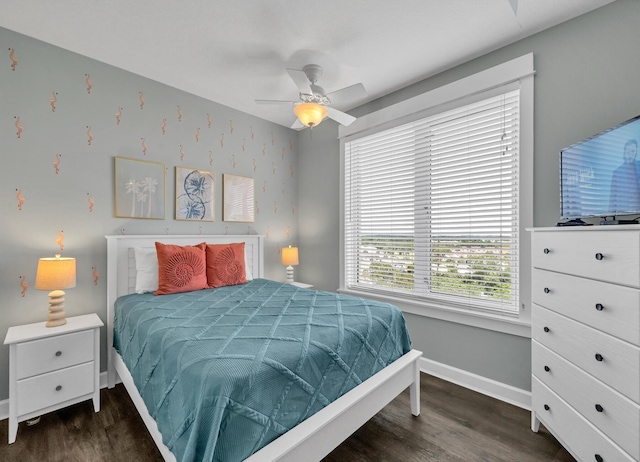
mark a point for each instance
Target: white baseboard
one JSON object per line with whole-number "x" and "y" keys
{"x": 498, "y": 390}
{"x": 4, "y": 409}
{"x": 489, "y": 387}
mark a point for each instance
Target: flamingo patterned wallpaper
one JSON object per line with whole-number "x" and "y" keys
{"x": 63, "y": 120}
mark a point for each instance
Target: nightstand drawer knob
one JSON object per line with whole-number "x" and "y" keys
{"x": 599, "y": 408}
{"x": 546, "y": 251}
{"x": 547, "y": 369}
{"x": 58, "y": 353}
{"x": 547, "y": 290}
{"x": 599, "y": 256}
{"x": 599, "y": 306}
{"x": 59, "y": 387}
{"x": 546, "y": 407}
{"x": 599, "y": 458}
{"x": 599, "y": 357}
{"x": 546, "y": 329}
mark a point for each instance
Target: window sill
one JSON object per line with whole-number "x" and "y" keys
{"x": 513, "y": 326}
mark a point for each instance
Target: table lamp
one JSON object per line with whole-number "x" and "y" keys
{"x": 55, "y": 274}
{"x": 290, "y": 258}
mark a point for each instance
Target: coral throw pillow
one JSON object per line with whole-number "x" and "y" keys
{"x": 181, "y": 268}
{"x": 225, "y": 264}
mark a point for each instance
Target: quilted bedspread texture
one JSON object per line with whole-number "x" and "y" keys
{"x": 226, "y": 371}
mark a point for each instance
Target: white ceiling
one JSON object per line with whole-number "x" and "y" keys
{"x": 236, "y": 51}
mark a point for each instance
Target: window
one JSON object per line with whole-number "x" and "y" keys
{"x": 431, "y": 207}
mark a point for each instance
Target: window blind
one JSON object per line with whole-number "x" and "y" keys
{"x": 431, "y": 208}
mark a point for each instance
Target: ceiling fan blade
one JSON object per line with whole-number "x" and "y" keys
{"x": 297, "y": 124}
{"x": 274, "y": 101}
{"x": 301, "y": 81}
{"x": 341, "y": 117}
{"x": 348, "y": 94}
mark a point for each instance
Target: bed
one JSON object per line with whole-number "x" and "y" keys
{"x": 313, "y": 438}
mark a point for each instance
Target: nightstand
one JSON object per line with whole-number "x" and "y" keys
{"x": 52, "y": 367}
{"x": 302, "y": 285}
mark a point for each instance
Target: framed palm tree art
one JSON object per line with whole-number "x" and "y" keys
{"x": 195, "y": 194}
{"x": 139, "y": 189}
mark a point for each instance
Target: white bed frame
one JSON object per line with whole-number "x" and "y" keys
{"x": 311, "y": 440}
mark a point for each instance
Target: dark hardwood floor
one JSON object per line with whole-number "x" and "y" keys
{"x": 455, "y": 425}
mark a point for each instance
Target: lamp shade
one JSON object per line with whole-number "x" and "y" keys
{"x": 310, "y": 114}
{"x": 56, "y": 273}
{"x": 290, "y": 256}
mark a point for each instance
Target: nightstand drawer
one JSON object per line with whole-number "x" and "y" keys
{"x": 610, "y": 256}
{"x": 609, "y": 359}
{"x": 53, "y": 388}
{"x": 49, "y": 354}
{"x": 601, "y": 305}
{"x": 585, "y": 441}
{"x": 616, "y": 416}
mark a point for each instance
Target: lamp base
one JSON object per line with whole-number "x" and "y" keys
{"x": 56, "y": 309}
{"x": 289, "y": 274}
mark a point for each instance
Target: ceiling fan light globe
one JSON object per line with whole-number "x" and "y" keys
{"x": 310, "y": 114}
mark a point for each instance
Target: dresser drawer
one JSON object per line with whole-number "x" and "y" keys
{"x": 613, "y": 361}
{"x": 576, "y": 433}
{"x": 610, "y": 256}
{"x": 607, "y": 307}
{"x": 49, "y": 354}
{"x": 617, "y": 417}
{"x": 49, "y": 389}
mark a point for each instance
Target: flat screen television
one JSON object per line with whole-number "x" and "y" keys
{"x": 600, "y": 176}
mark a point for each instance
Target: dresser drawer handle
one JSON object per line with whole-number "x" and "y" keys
{"x": 599, "y": 408}
{"x": 58, "y": 353}
{"x": 599, "y": 458}
{"x": 546, "y": 329}
{"x": 546, "y": 251}
{"x": 599, "y": 256}
{"x": 599, "y": 357}
{"x": 547, "y": 369}
{"x": 599, "y": 306}
{"x": 547, "y": 290}
{"x": 546, "y": 407}
{"x": 59, "y": 387}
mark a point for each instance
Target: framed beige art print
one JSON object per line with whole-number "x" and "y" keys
{"x": 238, "y": 198}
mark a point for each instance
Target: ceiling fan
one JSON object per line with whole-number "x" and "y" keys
{"x": 314, "y": 103}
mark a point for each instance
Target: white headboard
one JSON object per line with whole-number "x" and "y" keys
{"x": 121, "y": 280}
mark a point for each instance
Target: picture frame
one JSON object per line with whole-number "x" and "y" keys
{"x": 238, "y": 198}
{"x": 195, "y": 194}
{"x": 139, "y": 187}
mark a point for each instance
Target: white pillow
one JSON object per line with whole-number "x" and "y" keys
{"x": 146, "y": 269}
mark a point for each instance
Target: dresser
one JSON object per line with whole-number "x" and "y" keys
{"x": 585, "y": 294}
{"x": 52, "y": 367}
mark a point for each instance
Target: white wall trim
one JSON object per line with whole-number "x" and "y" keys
{"x": 493, "y": 77}
{"x": 501, "y": 391}
{"x": 4, "y": 409}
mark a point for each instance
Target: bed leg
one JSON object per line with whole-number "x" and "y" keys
{"x": 414, "y": 391}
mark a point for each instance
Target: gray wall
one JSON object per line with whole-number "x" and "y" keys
{"x": 319, "y": 221}
{"x": 59, "y": 202}
{"x": 587, "y": 74}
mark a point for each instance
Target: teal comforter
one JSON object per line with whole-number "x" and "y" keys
{"x": 226, "y": 371}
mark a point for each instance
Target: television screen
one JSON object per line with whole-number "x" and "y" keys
{"x": 600, "y": 176}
